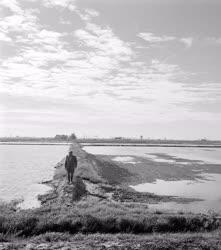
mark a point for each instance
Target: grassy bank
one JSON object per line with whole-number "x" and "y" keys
{"x": 100, "y": 218}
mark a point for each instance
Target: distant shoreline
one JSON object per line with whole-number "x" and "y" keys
{"x": 117, "y": 144}
{"x": 149, "y": 145}
{"x": 35, "y": 143}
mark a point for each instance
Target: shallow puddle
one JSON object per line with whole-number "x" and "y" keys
{"x": 207, "y": 189}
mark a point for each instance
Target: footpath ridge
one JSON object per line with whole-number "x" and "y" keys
{"x": 87, "y": 181}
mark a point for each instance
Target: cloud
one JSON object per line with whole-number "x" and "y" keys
{"x": 104, "y": 40}
{"x": 150, "y": 37}
{"x": 21, "y": 23}
{"x": 13, "y": 5}
{"x": 4, "y": 37}
{"x": 92, "y": 68}
{"x": 70, "y": 4}
{"x": 87, "y": 14}
{"x": 188, "y": 41}
{"x": 214, "y": 40}
{"x": 92, "y": 12}
{"x": 105, "y": 51}
{"x": 65, "y": 22}
{"x": 160, "y": 71}
{"x": 101, "y": 63}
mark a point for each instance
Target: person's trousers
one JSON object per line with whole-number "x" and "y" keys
{"x": 70, "y": 175}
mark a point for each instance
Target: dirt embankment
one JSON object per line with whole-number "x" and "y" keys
{"x": 97, "y": 178}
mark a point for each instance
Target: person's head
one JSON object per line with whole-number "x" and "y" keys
{"x": 70, "y": 153}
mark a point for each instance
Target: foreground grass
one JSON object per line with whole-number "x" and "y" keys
{"x": 98, "y": 218}
{"x": 51, "y": 241}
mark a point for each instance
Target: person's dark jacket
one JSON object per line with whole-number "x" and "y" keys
{"x": 70, "y": 162}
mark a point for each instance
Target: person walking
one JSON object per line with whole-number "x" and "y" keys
{"x": 70, "y": 166}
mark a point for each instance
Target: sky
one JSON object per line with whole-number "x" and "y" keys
{"x": 110, "y": 68}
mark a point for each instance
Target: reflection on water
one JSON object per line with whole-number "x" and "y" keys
{"x": 23, "y": 167}
{"x": 207, "y": 190}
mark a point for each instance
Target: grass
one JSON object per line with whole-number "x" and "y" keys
{"x": 202, "y": 241}
{"x": 99, "y": 219}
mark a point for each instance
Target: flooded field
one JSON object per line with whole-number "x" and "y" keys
{"x": 163, "y": 154}
{"x": 24, "y": 167}
{"x": 183, "y": 172}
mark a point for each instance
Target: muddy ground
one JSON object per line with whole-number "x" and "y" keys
{"x": 147, "y": 170}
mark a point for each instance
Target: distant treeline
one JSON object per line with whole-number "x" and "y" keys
{"x": 57, "y": 138}
{"x": 69, "y": 138}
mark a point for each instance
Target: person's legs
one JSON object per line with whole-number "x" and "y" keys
{"x": 72, "y": 174}
{"x": 69, "y": 176}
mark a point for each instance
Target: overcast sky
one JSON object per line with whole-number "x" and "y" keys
{"x": 111, "y": 68}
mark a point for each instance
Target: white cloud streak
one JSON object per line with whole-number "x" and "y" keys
{"x": 70, "y": 4}
{"x": 153, "y": 39}
{"x": 188, "y": 41}
{"x": 150, "y": 37}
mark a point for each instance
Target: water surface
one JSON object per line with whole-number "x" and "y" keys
{"x": 24, "y": 167}
{"x": 206, "y": 155}
{"x": 207, "y": 189}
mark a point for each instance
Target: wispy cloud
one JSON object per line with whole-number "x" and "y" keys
{"x": 70, "y": 4}
{"x": 87, "y": 14}
{"x": 214, "y": 40}
{"x": 5, "y": 38}
{"x": 91, "y": 69}
{"x": 188, "y": 41}
{"x": 104, "y": 40}
{"x": 152, "y": 38}
{"x": 13, "y": 5}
